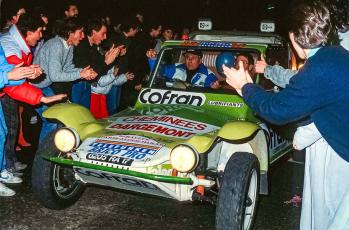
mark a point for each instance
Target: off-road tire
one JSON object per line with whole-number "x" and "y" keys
{"x": 233, "y": 194}
{"x": 43, "y": 182}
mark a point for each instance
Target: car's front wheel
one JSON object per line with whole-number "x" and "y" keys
{"x": 54, "y": 186}
{"x": 238, "y": 194}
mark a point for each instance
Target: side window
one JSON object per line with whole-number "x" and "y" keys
{"x": 275, "y": 55}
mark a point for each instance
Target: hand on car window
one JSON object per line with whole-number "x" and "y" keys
{"x": 260, "y": 65}
{"x": 151, "y": 53}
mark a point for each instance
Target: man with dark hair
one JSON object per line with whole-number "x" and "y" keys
{"x": 167, "y": 34}
{"x": 87, "y": 54}
{"x": 11, "y": 10}
{"x": 56, "y": 59}
{"x": 325, "y": 203}
{"x": 71, "y": 9}
{"x": 16, "y": 44}
{"x": 126, "y": 63}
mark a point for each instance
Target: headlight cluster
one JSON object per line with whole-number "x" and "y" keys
{"x": 184, "y": 158}
{"x": 66, "y": 139}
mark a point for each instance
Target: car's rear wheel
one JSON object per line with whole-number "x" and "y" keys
{"x": 238, "y": 194}
{"x": 54, "y": 186}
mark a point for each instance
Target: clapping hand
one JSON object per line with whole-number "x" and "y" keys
{"x": 129, "y": 76}
{"x": 88, "y": 73}
{"x": 111, "y": 54}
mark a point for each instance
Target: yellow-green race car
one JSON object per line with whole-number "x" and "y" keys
{"x": 182, "y": 141}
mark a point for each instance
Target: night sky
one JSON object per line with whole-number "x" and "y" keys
{"x": 225, "y": 14}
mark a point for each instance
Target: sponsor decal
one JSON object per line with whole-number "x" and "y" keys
{"x": 155, "y": 96}
{"x": 275, "y": 141}
{"x": 124, "y": 147}
{"x": 170, "y": 126}
{"x": 165, "y": 169}
{"x": 226, "y": 104}
{"x": 117, "y": 178}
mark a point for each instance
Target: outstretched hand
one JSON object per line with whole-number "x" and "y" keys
{"x": 58, "y": 97}
{"x": 237, "y": 78}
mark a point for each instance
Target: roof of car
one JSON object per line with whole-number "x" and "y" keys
{"x": 238, "y": 37}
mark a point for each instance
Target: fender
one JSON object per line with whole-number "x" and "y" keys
{"x": 74, "y": 116}
{"x": 238, "y": 130}
{"x": 201, "y": 143}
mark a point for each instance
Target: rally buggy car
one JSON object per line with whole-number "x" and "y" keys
{"x": 179, "y": 141}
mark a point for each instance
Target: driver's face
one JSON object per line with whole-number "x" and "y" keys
{"x": 244, "y": 61}
{"x": 192, "y": 61}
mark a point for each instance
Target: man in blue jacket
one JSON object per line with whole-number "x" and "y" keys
{"x": 318, "y": 91}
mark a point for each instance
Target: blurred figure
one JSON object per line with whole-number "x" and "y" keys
{"x": 167, "y": 34}
{"x": 70, "y": 11}
{"x": 11, "y": 12}
{"x": 127, "y": 95}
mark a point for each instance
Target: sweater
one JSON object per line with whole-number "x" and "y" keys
{"x": 56, "y": 59}
{"x": 105, "y": 82}
{"x": 319, "y": 90}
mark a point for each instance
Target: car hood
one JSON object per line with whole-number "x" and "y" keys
{"x": 167, "y": 125}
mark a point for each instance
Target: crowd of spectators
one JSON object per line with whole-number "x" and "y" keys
{"x": 95, "y": 63}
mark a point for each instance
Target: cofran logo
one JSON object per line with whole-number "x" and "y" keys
{"x": 153, "y": 96}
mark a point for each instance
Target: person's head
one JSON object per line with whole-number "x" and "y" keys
{"x": 96, "y": 30}
{"x": 140, "y": 18}
{"x": 167, "y": 33}
{"x": 71, "y": 10}
{"x": 193, "y": 59}
{"x": 72, "y": 31}
{"x": 310, "y": 27}
{"x": 42, "y": 12}
{"x": 246, "y": 59}
{"x": 154, "y": 30}
{"x": 129, "y": 28}
{"x": 13, "y": 9}
{"x": 31, "y": 27}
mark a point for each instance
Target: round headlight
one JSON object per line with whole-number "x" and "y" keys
{"x": 66, "y": 139}
{"x": 184, "y": 158}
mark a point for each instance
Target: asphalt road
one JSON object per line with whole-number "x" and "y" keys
{"x": 106, "y": 209}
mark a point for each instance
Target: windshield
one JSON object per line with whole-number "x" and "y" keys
{"x": 194, "y": 69}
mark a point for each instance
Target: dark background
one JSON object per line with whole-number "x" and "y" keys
{"x": 225, "y": 14}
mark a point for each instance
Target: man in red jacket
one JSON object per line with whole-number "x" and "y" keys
{"x": 16, "y": 44}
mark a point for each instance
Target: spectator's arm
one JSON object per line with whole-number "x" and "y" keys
{"x": 279, "y": 75}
